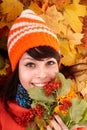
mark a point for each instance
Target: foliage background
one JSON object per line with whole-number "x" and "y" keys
{"x": 67, "y": 18}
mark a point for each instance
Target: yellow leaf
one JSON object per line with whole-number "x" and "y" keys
{"x": 42, "y": 128}
{"x": 73, "y": 20}
{"x": 75, "y": 38}
{"x": 62, "y": 29}
{"x": 12, "y": 8}
{"x": 40, "y": 123}
{"x": 53, "y": 18}
{"x": 72, "y": 13}
{"x": 3, "y": 23}
{"x": 34, "y": 6}
{"x": 3, "y": 71}
{"x": 68, "y": 52}
{"x": 56, "y": 109}
{"x": 79, "y": 10}
{"x": 76, "y": 1}
{"x": 54, "y": 13}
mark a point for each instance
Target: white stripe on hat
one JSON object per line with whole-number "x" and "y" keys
{"x": 24, "y": 27}
{"x": 32, "y": 17}
{"x": 20, "y": 24}
{"x": 27, "y": 11}
{"x": 29, "y": 32}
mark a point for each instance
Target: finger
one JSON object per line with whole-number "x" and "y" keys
{"x": 48, "y": 127}
{"x": 55, "y": 125}
{"x": 59, "y": 120}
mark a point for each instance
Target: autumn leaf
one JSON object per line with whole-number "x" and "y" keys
{"x": 80, "y": 10}
{"x": 61, "y": 3}
{"x": 69, "y": 55}
{"x": 76, "y": 113}
{"x": 52, "y": 17}
{"x": 73, "y": 20}
{"x": 81, "y": 76}
{"x": 12, "y": 8}
{"x": 72, "y": 13}
{"x": 34, "y": 6}
{"x": 76, "y": 1}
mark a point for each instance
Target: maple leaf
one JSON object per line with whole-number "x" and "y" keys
{"x": 72, "y": 13}
{"x": 74, "y": 38}
{"x": 69, "y": 54}
{"x": 52, "y": 17}
{"x": 76, "y": 1}
{"x": 34, "y": 6}
{"x": 81, "y": 76}
{"x": 12, "y": 8}
{"x": 61, "y": 3}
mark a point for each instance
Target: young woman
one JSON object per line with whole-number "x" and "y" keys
{"x": 33, "y": 51}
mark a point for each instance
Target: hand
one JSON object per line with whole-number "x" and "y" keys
{"x": 56, "y": 124}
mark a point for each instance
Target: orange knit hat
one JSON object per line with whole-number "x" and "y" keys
{"x": 28, "y": 31}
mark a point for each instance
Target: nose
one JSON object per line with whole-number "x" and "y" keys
{"x": 42, "y": 72}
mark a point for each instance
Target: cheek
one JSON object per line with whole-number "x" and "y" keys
{"x": 25, "y": 78}
{"x": 53, "y": 71}
{"x": 55, "y": 68}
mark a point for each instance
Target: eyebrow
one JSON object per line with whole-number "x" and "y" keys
{"x": 30, "y": 58}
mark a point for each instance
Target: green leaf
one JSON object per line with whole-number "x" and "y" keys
{"x": 79, "y": 106}
{"x": 39, "y": 95}
{"x": 66, "y": 84}
{"x": 84, "y": 119}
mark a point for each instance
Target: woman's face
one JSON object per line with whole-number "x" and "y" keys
{"x": 34, "y": 73}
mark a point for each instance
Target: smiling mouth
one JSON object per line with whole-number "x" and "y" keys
{"x": 39, "y": 85}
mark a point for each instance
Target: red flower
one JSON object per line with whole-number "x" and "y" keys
{"x": 39, "y": 110}
{"x": 52, "y": 86}
{"x": 26, "y": 117}
{"x": 65, "y": 105}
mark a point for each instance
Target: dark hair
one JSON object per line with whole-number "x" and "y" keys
{"x": 41, "y": 52}
{"x": 37, "y": 53}
{"x": 74, "y": 70}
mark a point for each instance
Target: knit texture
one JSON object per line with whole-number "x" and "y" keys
{"x": 29, "y": 31}
{"x": 22, "y": 97}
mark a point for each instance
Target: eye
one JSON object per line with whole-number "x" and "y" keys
{"x": 31, "y": 65}
{"x": 50, "y": 63}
